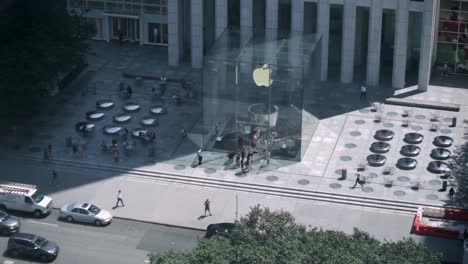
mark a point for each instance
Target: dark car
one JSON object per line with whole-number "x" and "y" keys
{"x": 29, "y": 245}
{"x": 8, "y": 224}
{"x": 222, "y": 229}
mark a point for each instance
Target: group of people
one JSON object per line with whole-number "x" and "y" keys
{"x": 243, "y": 159}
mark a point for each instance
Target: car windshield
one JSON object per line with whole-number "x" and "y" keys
{"x": 37, "y": 197}
{"x": 41, "y": 241}
{"x": 94, "y": 209}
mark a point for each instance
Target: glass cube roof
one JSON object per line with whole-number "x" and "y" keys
{"x": 272, "y": 47}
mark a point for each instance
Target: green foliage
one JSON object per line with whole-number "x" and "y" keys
{"x": 268, "y": 237}
{"x": 39, "y": 41}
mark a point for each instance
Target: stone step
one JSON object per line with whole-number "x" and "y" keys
{"x": 395, "y": 205}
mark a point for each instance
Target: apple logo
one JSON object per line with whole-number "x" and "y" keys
{"x": 261, "y": 76}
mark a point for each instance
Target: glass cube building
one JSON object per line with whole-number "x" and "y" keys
{"x": 254, "y": 85}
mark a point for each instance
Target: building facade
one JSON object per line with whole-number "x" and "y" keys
{"x": 367, "y": 41}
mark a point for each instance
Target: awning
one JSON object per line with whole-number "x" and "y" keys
{"x": 121, "y": 15}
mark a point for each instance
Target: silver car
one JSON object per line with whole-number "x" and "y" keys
{"x": 9, "y": 224}
{"x": 85, "y": 212}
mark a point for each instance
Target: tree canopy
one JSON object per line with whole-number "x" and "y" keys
{"x": 270, "y": 237}
{"x": 39, "y": 40}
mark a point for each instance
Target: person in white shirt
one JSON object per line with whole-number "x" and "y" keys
{"x": 363, "y": 92}
{"x": 119, "y": 199}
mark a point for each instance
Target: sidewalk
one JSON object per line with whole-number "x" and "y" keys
{"x": 152, "y": 200}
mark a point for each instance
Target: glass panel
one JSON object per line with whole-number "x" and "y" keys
{"x": 96, "y": 4}
{"x": 253, "y": 93}
{"x": 164, "y": 34}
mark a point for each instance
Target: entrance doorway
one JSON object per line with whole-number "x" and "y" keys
{"x": 128, "y": 27}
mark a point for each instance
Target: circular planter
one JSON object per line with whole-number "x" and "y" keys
{"x": 413, "y": 138}
{"x": 94, "y": 115}
{"x": 438, "y": 167}
{"x": 380, "y": 147}
{"x": 158, "y": 110}
{"x": 122, "y": 118}
{"x": 384, "y": 135}
{"x": 149, "y": 121}
{"x": 105, "y": 104}
{"x": 131, "y": 107}
{"x": 376, "y": 160}
{"x": 84, "y": 125}
{"x": 111, "y": 129}
{"x": 407, "y": 163}
{"x": 443, "y": 141}
{"x": 440, "y": 154}
{"x": 410, "y": 150}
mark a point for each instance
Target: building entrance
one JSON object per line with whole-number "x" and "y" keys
{"x": 128, "y": 27}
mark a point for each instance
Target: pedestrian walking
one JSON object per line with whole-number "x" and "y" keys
{"x": 115, "y": 153}
{"x": 237, "y": 160}
{"x": 363, "y": 92}
{"x": 358, "y": 180}
{"x": 247, "y": 166}
{"x": 445, "y": 70}
{"x": 207, "y": 207}
{"x": 120, "y": 37}
{"x": 451, "y": 194}
{"x": 46, "y": 154}
{"x": 129, "y": 91}
{"x": 183, "y": 133}
{"x": 49, "y": 150}
{"x": 54, "y": 178}
{"x": 200, "y": 156}
{"x": 230, "y": 157}
{"x": 119, "y": 199}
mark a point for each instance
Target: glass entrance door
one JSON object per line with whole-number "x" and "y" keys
{"x": 129, "y": 28}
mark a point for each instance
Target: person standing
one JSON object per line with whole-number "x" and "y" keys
{"x": 363, "y": 92}
{"x": 237, "y": 160}
{"x": 119, "y": 199}
{"x": 451, "y": 194}
{"x": 129, "y": 91}
{"x": 49, "y": 150}
{"x": 120, "y": 37}
{"x": 54, "y": 178}
{"x": 207, "y": 207}
{"x": 358, "y": 180}
{"x": 200, "y": 156}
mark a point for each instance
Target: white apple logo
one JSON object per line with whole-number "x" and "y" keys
{"x": 261, "y": 76}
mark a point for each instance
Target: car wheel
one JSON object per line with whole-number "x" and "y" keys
{"x": 98, "y": 223}
{"x": 5, "y": 232}
{"x": 37, "y": 213}
{"x": 14, "y": 253}
{"x": 69, "y": 219}
{"x": 44, "y": 258}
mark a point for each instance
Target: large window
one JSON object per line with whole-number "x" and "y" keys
{"x": 452, "y": 48}
{"x": 157, "y": 33}
{"x": 127, "y": 6}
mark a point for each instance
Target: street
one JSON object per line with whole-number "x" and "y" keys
{"x": 123, "y": 241}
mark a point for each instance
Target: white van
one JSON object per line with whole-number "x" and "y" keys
{"x": 24, "y": 197}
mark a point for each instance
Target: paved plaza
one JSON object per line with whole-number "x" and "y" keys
{"x": 341, "y": 141}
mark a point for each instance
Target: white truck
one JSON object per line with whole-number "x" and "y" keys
{"x": 24, "y": 197}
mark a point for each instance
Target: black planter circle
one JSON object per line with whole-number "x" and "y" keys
{"x": 413, "y": 138}
{"x": 380, "y": 147}
{"x": 376, "y": 160}
{"x": 407, "y": 163}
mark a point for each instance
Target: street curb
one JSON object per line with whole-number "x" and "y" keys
{"x": 148, "y": 222}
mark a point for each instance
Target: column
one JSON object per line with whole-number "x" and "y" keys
{"x": 401, "y": 44}
{"x": 349, "y": 31}
{"x": 106, "y": 28}
{"x": 373, "y": 50}
{"x": 196, "y": 17}
{"x": 246, "y": 8}
{"x": 427, "y": 42}
{"x": 173, "y": 32}
{"x": 221, "y": 16}
{"x": 271, "y": 14}
{"x": 358, "y": 47}
{"x": 323, "y": 27}
{"x": 297, "y": 15}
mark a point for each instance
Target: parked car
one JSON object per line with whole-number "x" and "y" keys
{"x": 8, "y": 224}
{"x": 222, "y": 229}
{"x": 85, "y": 212}
{"x": 33, "y": 246}
{"x": 24, "y": 197}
